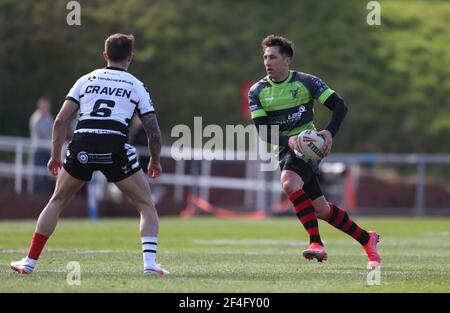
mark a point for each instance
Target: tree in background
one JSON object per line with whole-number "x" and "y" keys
{"x": 195, "y": 54}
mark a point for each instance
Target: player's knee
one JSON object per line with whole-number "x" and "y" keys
{"x": 144, "y": 203}
{"x": 59, "y": 200}
{"x": 289, "y": 187}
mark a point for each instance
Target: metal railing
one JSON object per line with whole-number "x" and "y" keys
{"x": 263, "y": 183}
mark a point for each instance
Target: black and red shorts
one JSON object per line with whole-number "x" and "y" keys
{"x": 307, "y": 171}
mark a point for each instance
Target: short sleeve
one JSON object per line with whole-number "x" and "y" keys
{"x": 145, "y": 103}
{"x": 75, "y": 92}
{"x": 256, "y": 109}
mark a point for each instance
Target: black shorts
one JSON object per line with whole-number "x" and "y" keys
{"x": 307, "y": 171}
{"x": 116, "y": 160}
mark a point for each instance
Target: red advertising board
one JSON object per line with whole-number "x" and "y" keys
{"x": 245, "y": 110}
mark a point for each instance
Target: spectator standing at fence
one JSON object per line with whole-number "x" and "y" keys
{"x": 41, "y": 123}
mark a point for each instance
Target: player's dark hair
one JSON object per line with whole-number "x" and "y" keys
{"x": 285, "y": 46}
{"x": 118, "y": 47}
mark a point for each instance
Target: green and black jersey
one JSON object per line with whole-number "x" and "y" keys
{"x": 288, "y": 104}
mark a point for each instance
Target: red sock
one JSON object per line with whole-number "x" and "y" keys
{"x": 304, "y": 210}
{"x": 340, "y": 219}
{"x": 37, "y": 244}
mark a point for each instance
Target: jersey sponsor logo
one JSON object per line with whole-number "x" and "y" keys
{"x": 98, "y": 158}
{"x": 115, "y": 80}
{"x": 293, "y": 117}
{"x": 83, "y": 157}
{"x": 111, "y": 91}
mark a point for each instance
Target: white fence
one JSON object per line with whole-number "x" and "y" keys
{"x": 265, "y": 184}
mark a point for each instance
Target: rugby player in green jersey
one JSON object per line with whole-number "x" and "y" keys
{"x": 285, "y": 98}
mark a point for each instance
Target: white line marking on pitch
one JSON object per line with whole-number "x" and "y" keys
{"x": 68, "y": 251}
{"x": 250, "y": 242}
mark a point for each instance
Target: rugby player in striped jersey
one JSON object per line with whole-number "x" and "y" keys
{"x": 107, "y": 98}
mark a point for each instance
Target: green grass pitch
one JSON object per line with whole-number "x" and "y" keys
{"x": 229, "y": 255}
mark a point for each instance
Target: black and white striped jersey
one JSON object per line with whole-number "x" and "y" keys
{"x": 108, "y": 98}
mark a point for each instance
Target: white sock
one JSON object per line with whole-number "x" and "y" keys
{"x": 30, "y": 262}
{"x": 149, "y": 246}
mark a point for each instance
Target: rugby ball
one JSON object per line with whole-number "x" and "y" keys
{"x": 311, "y": 144}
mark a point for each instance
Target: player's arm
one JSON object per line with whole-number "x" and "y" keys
{"x": 337, "y": 105}
{"x": 328, "y": 97}
{"x": 147, "y": 115}
{"x": 62, "y": 121}
{"x": 150, "y": 123}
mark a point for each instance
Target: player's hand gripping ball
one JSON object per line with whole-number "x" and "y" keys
{"x": 311, "y": 144}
